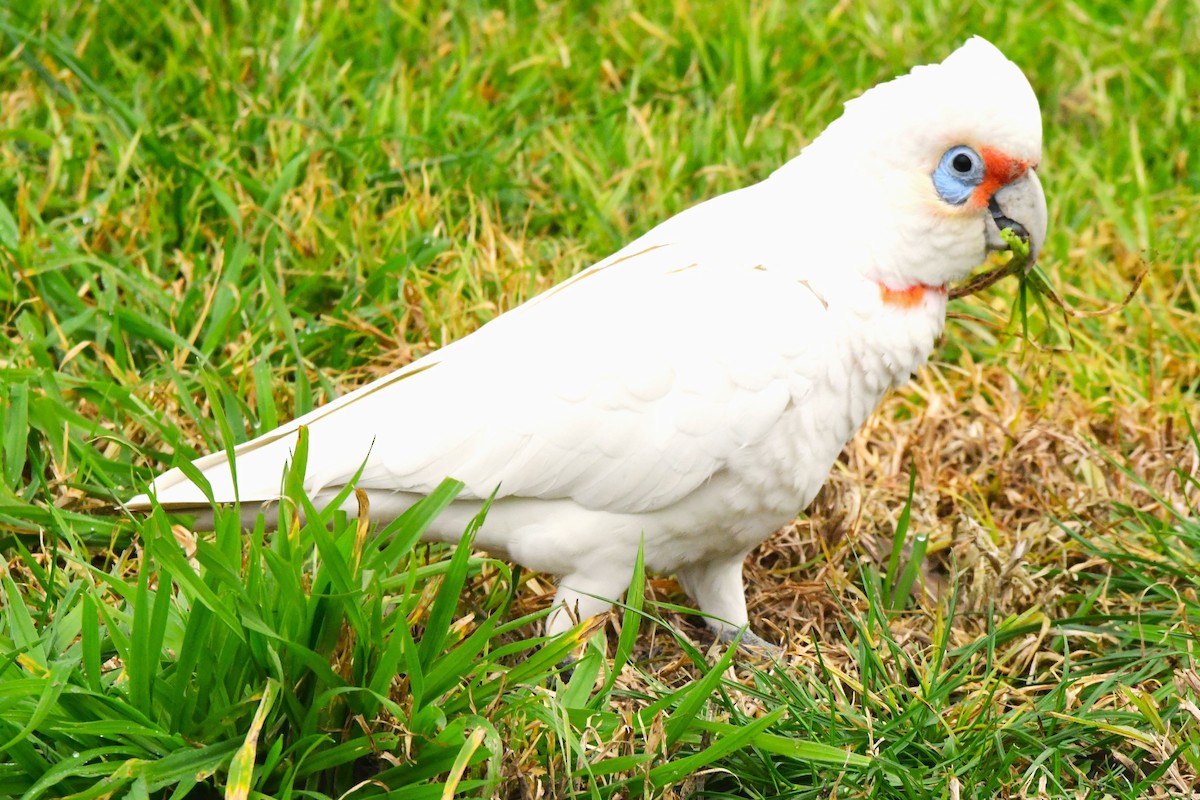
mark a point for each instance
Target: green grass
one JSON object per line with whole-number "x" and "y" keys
{"x": 216, "y": 215}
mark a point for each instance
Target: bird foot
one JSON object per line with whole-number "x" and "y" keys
{"x": 751, "y": 643}
{"x": 566, "y": 670}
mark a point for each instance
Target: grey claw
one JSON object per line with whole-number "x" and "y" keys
{"x": 566, "y": 670}
{"x": 750, "y": 643}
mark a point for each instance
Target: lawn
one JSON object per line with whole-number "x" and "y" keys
{"x": 217, "y": 214}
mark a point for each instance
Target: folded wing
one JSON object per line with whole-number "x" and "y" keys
{"x": 624, "y": 389}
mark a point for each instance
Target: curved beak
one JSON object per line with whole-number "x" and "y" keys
{"x": 1020, "y": 207}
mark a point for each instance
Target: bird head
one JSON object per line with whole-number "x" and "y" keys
{"x": 936, "y": 163}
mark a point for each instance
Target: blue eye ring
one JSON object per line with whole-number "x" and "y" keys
{"x": 958, "y": 172}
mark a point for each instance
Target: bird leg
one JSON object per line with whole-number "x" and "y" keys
{"x": 717, "y": 588}
{"x": 581, "y": 597}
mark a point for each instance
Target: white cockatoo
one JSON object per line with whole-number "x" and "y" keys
{"x": 690, "y": 393}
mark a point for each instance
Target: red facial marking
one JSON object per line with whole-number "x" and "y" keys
{"x": 998, "y": 170}
{"x": 907, "y": 298}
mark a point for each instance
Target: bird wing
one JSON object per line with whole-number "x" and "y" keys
{"x": 623, "y": 389}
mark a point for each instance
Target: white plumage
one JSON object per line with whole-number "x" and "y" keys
{"x": 694, "y": 388}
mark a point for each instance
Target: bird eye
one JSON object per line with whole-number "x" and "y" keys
{"x": 958, "y": 173}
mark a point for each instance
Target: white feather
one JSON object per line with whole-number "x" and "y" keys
{"x": 692, "y": 391}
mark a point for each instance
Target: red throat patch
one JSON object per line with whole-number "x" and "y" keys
{"x": 911, "y": 297}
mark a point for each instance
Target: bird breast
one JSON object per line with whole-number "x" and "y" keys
{"x": 870, "y": 348}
